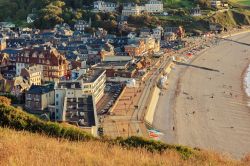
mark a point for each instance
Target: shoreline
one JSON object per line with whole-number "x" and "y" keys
{"x": 245, "y": 73}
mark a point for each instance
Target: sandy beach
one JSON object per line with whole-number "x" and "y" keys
{"x": 206, "y": 104}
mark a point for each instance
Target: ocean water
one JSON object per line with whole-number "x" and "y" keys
{"x": 247, "y": 83}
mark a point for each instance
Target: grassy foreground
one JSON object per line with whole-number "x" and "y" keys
{"x": 24, "y": 148}
{"x": 27, "y": 140}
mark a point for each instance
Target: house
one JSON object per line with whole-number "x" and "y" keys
{"x": 170, "y": 36}
{"x": 105, "y": 6}
{"x": 7, "y": 25}
{"x": 39, "y": 97}
{"x": 3, "y": 44}
{"x": 132, "y": 9}
{"x": 54, "y": 64}
{"x": 157, "y": 32}
{"x": 196, "y": 11}
{"x": 31, "y": 18}
{"x": 154, "y": 6}
{"x": 135, "y": 48}
{"x": 15, "y": 86}
{"x": 216, "y": 3}
{"x": 80, "y": 25}
{"x": 33, "y": 74}
{"x": 145, "y": 32}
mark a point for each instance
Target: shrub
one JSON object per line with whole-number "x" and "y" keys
{"x": 154, "y": 146}
{"x": 5, "y": 100}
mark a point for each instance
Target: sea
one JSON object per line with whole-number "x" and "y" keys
{"x": 247, "y": 83}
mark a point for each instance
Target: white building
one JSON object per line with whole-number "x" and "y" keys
{"x": 91, "y": 83}
{"x": 105, "y": 6}
{"x": 132, "y": 10}
{"x": 80, "y": 25}
{"x": 154, "y": 6}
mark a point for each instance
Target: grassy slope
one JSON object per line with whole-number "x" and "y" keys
{"x": 178, "y": 3}
{"x": 242, "y": 2}
{"x": 23, "y": 148}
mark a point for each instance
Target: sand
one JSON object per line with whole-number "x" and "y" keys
{"x": 208, "y": 108}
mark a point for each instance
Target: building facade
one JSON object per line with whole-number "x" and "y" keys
{"x": 154, "y": 6}
{"x": 89, "y": 84}
{"x": 105, "y": 6}
{"x": 54, "y": 65}
{"x": 33, "y": 74}
{"x": 39, "y": 97}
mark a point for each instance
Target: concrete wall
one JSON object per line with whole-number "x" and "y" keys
{"x": 152, "y": 106}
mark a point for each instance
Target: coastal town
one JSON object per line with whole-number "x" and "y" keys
{"x": 121, "y": 81}
{"x": 89, "y": 80}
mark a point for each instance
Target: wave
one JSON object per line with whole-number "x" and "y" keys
{"x": 247, "y": 83}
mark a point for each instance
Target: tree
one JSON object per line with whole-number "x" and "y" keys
{"x": 4, "y": 100}
{"x": 51, "y": 15}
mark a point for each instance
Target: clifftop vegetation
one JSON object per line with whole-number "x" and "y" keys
{"x": 28, "y": 140}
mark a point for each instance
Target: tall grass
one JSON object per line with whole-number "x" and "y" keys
{"x": 23, "y": 148}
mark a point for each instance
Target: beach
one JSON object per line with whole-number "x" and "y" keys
{"x": 206, "y": 104}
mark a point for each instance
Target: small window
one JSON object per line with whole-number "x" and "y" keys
{"x": 57, "y": 95}
{"x": 57, "y": 103}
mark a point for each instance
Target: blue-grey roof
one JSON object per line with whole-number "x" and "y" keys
{"x": 41, "y": 89}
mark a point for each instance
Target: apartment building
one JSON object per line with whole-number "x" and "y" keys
{"x": 88, "y": 87}
{"x": 54, "y": 65}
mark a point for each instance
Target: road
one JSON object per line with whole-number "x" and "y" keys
{"x": 208, "y": 108}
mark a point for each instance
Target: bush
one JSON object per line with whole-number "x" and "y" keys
{"x": 154, "y": 146}
{"x": 5, "y": 100}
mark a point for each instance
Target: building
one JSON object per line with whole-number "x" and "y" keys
{"x": 39, "y": 97}
{"x": 3, "y": 44}
{"x": 31, "y": 18}
{"x": 154, "y": 6}
{"x": 75, "y": 100}
{"x": 145, "y": 32}
{"x": 196, "y": 11}
{"x": 54, "y": 64}
{"x": 90, "y": 83}
{"x": 157, "y": 32}
{"x": 136, "y": 48}
{"x": 132, "y": 10}
{"x": 80, "y": 25}
{"x": 105, "y": 6}
{"x": 15, "y": 86}
{"x": 215, "y": 4}
{"x": 33, "y": 74}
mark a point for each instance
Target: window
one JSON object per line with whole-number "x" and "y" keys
{"x": 57, "y": 110}
{"x": 57, "y": 103}
{"x": 57, "y": 95}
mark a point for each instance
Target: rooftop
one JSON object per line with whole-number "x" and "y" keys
{"x": 41, "y": 89}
